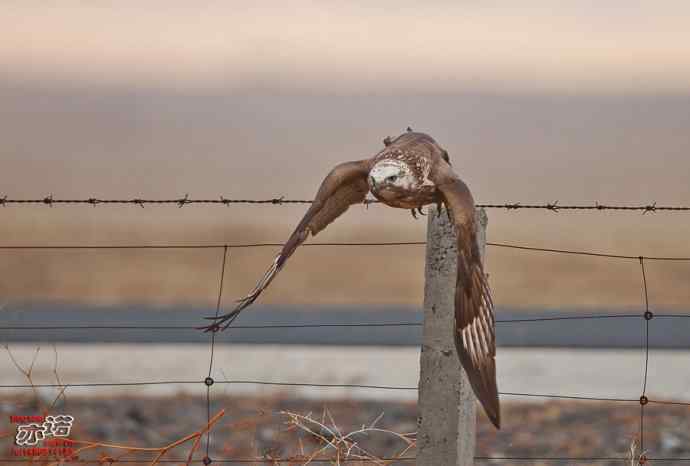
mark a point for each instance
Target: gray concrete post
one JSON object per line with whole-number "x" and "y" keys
{"x": 447, "y": 405}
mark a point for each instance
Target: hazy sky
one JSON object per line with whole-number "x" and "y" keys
{"x": 338, "y": 46}
{"x": 571, "y": 101}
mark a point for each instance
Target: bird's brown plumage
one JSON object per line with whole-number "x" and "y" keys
{"x": 427, "y": 164}
{"x": 475, "y": 336}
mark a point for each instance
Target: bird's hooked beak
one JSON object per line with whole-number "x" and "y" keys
{"x": 372, "y": 181}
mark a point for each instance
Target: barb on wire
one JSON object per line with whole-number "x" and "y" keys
{"x": 553, "y": 206}
{"x": 183, "y": 201}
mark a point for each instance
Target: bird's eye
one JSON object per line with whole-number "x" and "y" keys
{"x": 392, "y": 178}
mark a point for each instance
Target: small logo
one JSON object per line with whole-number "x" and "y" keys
{"x": 48, "y": 432}
{"x": 52, "y": 426}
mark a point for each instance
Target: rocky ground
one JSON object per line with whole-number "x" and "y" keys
{"x": 258, "y": 427}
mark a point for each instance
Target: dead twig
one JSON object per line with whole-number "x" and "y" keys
{"x": 160, "y": 451}
{"x": 344, "y": 445}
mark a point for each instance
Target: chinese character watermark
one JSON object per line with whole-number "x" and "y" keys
{"x": 52, "y": 426}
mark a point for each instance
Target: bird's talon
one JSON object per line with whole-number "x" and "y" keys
{"x": 414, "y": 214}
{"x": 421, "y": 212}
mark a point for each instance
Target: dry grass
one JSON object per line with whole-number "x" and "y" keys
{"x": 102, "y": 452}
{"x": 343, "y": 446}
{"x": 325, "y": 441}
{"x": 636, "y": 456}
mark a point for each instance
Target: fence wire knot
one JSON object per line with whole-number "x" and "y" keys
{"x": 277, "y": 200}
{"x": 3, "y": 200}
{"x": 513, "y": 206}
{"x": 93, "y": 201}
{"x": 553, "y": 206}
{"x": 139, "y": 202}
{"x": 48, "y": 200}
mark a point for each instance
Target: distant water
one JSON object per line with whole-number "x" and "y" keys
{"x": 626, "y": 332}
{"x": 609, "y": 373}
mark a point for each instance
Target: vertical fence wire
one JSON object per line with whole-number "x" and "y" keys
{"x": 645, "y": 344}
{"x": 212, "y": 341}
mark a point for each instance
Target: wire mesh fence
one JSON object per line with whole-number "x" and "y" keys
{"x": 646, "y": 317}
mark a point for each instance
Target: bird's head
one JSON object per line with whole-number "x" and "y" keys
{"x": 389, "y": 177}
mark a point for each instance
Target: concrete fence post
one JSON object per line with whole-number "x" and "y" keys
{"x": 447, "y": 405}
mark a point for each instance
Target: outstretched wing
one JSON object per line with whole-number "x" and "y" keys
{"x": 475, "y": 336}
{"x": 345, "y": 185}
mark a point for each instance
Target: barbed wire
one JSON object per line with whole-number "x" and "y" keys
{"x": 185, "y": 200}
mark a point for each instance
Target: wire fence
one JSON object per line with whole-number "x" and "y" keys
{"x": 225, "y": 250}
{"x": 185, "y": 200}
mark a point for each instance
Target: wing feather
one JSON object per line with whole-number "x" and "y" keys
{"x": 475, "y": 335}
{"x": 345, "y": 185}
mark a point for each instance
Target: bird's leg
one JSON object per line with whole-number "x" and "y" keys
{"x": 421, "y": 212}
{"x": 440, "y": 205}
{"x": 414, "y": 214}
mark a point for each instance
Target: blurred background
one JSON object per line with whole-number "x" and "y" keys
{"x": 576, "y": 102}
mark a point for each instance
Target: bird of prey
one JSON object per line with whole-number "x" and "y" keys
{"x": 411, "y": 171}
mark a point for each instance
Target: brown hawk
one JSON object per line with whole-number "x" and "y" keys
{"x": 410, "y": 172}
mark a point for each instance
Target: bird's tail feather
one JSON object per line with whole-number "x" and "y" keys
{"x": 222, "y": 322}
